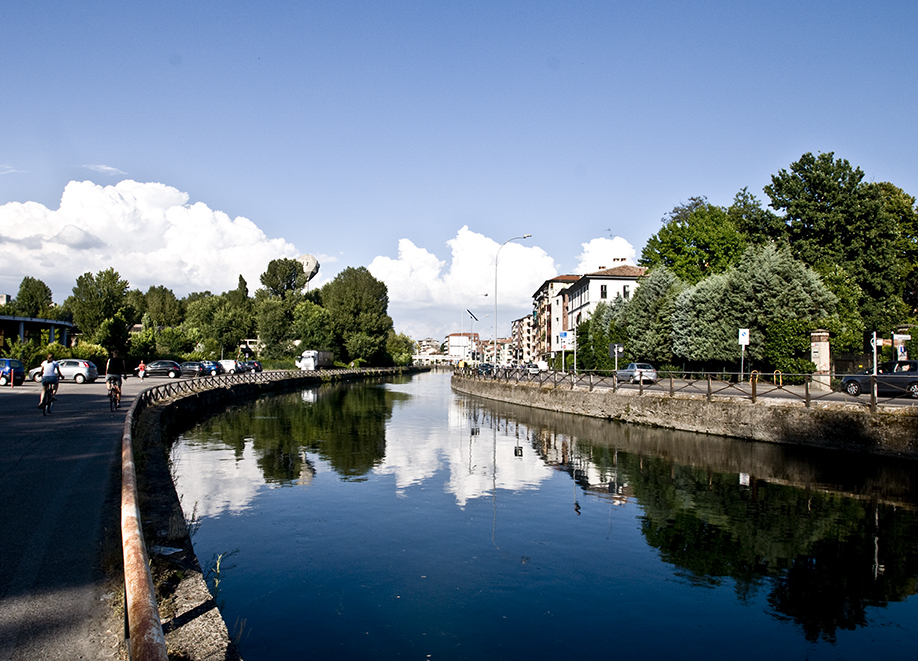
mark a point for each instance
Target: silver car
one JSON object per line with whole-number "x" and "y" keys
{"x": 74, "y": 369}
{"x": 643, "y": 372}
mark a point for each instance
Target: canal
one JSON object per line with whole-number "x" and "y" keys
{"x": 397, "y": 519}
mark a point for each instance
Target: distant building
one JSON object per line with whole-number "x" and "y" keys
{"x": 550, "y": 310}
{"x": 461, "y": 346}
{"x": 523, "y": 335}
{"x": 600, "y": 287}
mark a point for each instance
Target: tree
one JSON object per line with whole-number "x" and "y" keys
{"x": 96, "y": 298}
{"x": 283, "y": 277}
{"x": 400, "y": 348}
{"x": 113, "y": 333}
{"x": 756, "y": 223}
{"x": 696, "y": 240}
{"x": 771, "y": 287}
{"x": 650, "y": 316}
{"x": 832, "y": 217}
{"x": 162, "y": 306}
{"x": 357, "y": 304}
{"x": 312, "y": 327}
{"x": 33, "y": 299}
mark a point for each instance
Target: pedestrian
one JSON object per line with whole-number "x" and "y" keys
{"x": 141, "y": 369}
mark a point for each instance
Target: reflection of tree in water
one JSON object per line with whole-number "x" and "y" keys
{"x": 824, "y": 557}
{"x": 345, "y": 426}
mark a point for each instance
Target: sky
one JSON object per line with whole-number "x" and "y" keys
{"x": 186, "y": 144}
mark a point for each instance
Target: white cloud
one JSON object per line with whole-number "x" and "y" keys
{"x": 105, "y": 169}
{"x": 146, "y": 231}
{"x": 604, "y": 253}
{"x": 426, "y": 301}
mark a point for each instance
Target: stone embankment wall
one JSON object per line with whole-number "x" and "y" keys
{"x": 892, "y": 431}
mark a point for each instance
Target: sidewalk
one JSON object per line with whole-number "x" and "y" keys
{"x": 60, "y": 522}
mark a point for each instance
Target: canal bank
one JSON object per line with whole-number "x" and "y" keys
{"x": 831, "y": 425}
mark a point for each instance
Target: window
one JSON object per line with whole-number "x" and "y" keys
{"x": 625, "y": 293}
{"x": 602, "y": 291}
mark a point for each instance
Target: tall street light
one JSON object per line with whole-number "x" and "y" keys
{"x": 525, "y": 236}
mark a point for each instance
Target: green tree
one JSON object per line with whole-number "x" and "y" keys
{"x": 771, "y": 287}
{"x": 312, "y": 327}
{"x": 96, "y": 298}
{"x": 283, "y": 277}
{"x": 162, "y": 306}
{"x": 650, "y": 313}
{"x": 697, "y": 239}
{"x": 113, "y": 333}
{"x": 400, "y": 348}
{"x": 33, "y": 299}
{"x": 357, "y": 304}
{"x": 833, "y": 217}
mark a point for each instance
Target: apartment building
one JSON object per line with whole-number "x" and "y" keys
{"x": 523, "y": 334}
{"x": 602, "y": 286}
{"x": 550, "y": 310}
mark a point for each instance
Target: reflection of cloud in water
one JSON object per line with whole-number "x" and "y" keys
{"x": 471, "y": 459}
{"x": 214, "y": 480}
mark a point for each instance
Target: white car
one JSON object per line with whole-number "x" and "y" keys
{"x": 74, "y": 369}
{"x": 231, "y": 366}
{"x": 643, "y": 372}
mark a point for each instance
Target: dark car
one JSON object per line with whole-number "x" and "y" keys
{"x": 485, "y": 368}
{"x": 168, "y": 368}
{"x": 253, "y": 365}
{"x": 193, "y": 368}
{"x": 212, "y": 367}
{"x": 11, "y": 368}
{"x": 893, "y": 378}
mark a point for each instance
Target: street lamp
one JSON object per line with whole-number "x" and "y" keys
{"x": 525, "y": 236}
{"x": 460, "y": 316}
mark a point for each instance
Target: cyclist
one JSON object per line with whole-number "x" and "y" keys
{"x": 114, "y": 369}
{"x": 50, "y": 374}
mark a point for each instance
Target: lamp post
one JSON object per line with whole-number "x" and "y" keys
{"x": 525, "y": 236}
{"x": 460, "y": 317}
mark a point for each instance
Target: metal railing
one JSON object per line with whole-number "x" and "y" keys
{"x": 144, "y": 628}
{"x": 807, "y": 388}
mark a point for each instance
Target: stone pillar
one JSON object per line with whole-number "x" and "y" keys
{"x": 820, "y": 354}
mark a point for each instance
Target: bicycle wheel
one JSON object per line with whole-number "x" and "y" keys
{"x": 111, "y": 399}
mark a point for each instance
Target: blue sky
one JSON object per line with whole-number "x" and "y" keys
{"x": 345, "y": 129}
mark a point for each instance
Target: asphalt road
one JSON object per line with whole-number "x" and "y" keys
{"x": 60, "y": 493}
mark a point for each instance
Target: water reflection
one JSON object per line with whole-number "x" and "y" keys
{"x": 826, "y": 535}
{"x": 424, "y": 477}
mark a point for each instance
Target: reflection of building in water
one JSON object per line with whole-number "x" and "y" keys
{"x": 307, "y": 470}
{"x": 563, "y": 453}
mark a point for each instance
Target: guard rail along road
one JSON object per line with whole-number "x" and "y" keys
{"x": 779, "y": 408}
{"x": 147, "y": 641}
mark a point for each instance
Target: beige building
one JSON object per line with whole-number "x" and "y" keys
{"x": 524, "y": 339}
{"x": 550, "y": 310}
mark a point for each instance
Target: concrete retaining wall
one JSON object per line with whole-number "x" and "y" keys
{"x": 828, "y": 425}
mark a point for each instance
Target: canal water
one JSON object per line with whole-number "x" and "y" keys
{"x": 397, "y": 519}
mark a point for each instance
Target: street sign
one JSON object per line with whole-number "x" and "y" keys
{"x": 616, "y": 350}
{"x": 568, "y": 340}
{"x": 744, "y": 336}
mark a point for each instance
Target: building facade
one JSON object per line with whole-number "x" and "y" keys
{"x": 603, "y": 286}
{"x": 550, "y": 310}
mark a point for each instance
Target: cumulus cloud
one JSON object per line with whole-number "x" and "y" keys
{"x": 428, "y": 296}
{"x": 604, "y": 253}
{"x": 148, "y": 232}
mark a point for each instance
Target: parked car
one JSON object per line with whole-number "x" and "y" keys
{"x": 893, "y": 378}
{"x": 168, "y": 368}
{"x": 11, "y": 368}
{"x": 212, "y": 367}
{"x": 193, "y": 368}
{"x": 75, "y": 369}
{"x": 253, "y": 365}
{"x": 485, "y": 368}
{"x": 634, "y": 372}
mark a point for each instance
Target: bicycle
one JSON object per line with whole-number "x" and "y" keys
{"x": 114, "y": 395}
{"x": 47, "y": 398}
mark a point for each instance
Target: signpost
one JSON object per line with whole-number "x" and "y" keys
{"x": 744, "y": 342}
{"x": 616, "y": 350}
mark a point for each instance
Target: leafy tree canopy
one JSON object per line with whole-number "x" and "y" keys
{"x": 283, "y": 277}
{"x": 358, "y": 305}
{"x": 96, "y": 298}
{"x": 33, "y": 299}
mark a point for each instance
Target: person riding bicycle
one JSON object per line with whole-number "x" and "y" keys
{"x": 114, "y": 369}
{"x": 50, "y": 374}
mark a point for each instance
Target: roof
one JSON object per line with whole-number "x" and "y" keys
{"x": 623, "y": 271}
